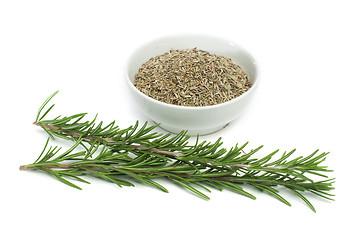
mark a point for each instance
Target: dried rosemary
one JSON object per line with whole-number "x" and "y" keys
{"x": 191, "y": 77}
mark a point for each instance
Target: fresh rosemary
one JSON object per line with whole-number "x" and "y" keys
{"x": 117, "y": 155}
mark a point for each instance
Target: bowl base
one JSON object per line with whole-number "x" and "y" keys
{"x": 193, "y": 132}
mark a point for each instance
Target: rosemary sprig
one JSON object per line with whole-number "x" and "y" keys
{"x": 138, "y": 153}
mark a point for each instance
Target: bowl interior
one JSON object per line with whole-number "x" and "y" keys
{"x": 211, "y": 44}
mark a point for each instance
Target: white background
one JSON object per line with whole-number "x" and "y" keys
{"x": 308, "y": 98}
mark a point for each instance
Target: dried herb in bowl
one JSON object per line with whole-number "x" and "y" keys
{"x": 191, "y": 77}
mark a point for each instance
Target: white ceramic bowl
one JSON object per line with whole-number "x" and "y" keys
{"x": 197, "y": 120}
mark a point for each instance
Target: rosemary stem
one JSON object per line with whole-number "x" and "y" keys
{"x": 61, "y": 166}
{"x": 50, "y": 127}
{"x": 155, "y": 150}
{"x": 66, "y": 166}
{"x": 174, "y": 154}
{"x": 161, "y": 174}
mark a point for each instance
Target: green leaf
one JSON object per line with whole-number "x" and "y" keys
{"x": 73, "y": 174}
{"x": 46, "y": 112}
{"x": 143, "y": 179}
{"x": 271, "y": 191}
{"x": 99, "y": 174}
{"x": 192, "y": 189}
{"x": 79, "y": 179}
{"x": 41, "y": 154}
{"x": 201, "y": 186}
{"x": 47, "y": 131}
{"x": 129, "y": 134}
{"x": 154, "y": 184}
{"x": 322, "y": 194}
{"x": 214, "y": 185}
{"x": 122, "y": 182}
{"x": 303, "y": 198}
{"x": 236, "y": 188}
{"x": 71, "y": 148}
{"x": 44, "y": 104}
{"x": 63, "y": 180}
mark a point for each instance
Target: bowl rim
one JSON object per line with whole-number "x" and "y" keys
{"x": 218, "y": 105}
